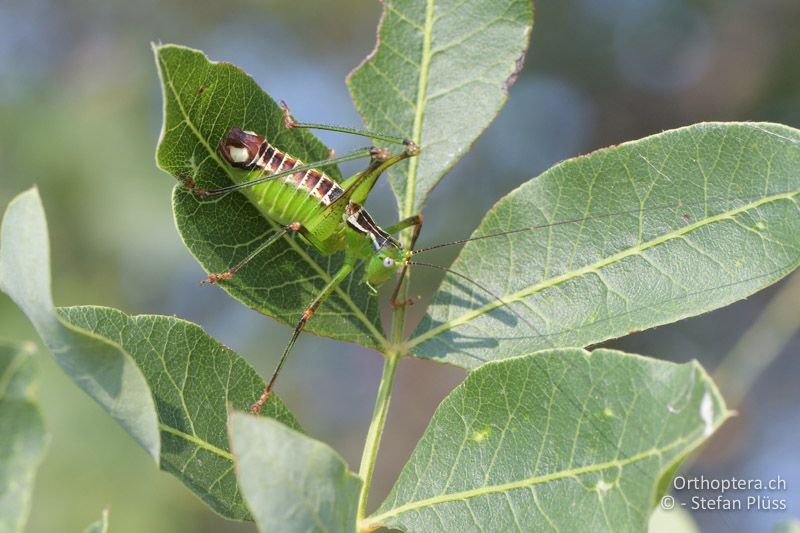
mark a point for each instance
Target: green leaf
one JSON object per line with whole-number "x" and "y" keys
{"x": 292, "y": 482}
{"x": 101, "y": 526}
{"x": 439, "y": 74}
{"x": 562, "y": 440}
{"x": 194, "y": 378}
{"x": 127, "y": 362}
{"x": 676, "y": 520}
{"x": 23, "y": 439}
{"x": 679, "y": 223}
{"x": 102, "y": 369}
{"x": 202, "y": 100}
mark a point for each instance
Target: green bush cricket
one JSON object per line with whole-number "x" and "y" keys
{"x": 329, "y": 216}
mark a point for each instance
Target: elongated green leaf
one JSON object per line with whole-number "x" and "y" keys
{"x": 439, "y": 74}
{"x": 562, "y": 440}
{"x": 193, "y": 378}
{"x": 101, "y": 526}
{"x": 676, "y": 520}
{"x": 202, "y": 100}
{"x": 23, "y": 439}
{"x": 292, "y": 482}
{"x": 127, "y": 361}
{"x": 679, "y": 223}
{"x": 102, "y": 369}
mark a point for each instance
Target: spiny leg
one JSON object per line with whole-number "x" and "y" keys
{"x": 290, "y": 122}
{"x": 214, "y": 278}
{"x": 416, "y": 222}
{"x": 309, "y": 311}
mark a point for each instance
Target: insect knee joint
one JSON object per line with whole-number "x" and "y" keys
{"x": 379, "y": 154}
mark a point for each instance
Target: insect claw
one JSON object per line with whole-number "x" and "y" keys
{"x": 379, "y": 154}
{"x": 412, "y": 148}
{"x": 408, "y": 303}
{"x": 212, "y": 279}
{"x": 288, "y": 119}
{"x": 256, "y": 407}
{"x": 189, "y": 183}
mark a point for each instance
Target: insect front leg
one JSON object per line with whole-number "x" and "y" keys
{"x": 309, "y": 311}
{"x": 414, "y": 221}
{"x": 214, "y": 278}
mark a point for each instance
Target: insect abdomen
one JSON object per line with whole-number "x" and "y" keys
{"x": 293, "y": 198}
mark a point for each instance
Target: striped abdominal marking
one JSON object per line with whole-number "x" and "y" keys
{"x": 249, "y": 151}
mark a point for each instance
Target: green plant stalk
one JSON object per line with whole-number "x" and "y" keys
{"x": 761, "y": 343}
{"x": 375, "y": 432}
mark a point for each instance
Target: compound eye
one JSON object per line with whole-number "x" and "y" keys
{"x": 388, "y": 262}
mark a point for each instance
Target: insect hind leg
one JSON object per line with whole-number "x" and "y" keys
{"x": 308, "y": 313}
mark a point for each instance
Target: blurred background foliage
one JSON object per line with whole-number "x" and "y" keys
{"x": 80, "y": 110}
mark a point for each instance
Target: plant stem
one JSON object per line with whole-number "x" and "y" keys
{"x": 760, "y": 344}
{"x": 376, "y": 430}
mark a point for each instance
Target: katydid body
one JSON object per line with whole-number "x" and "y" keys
{"x": 331, "y": 217}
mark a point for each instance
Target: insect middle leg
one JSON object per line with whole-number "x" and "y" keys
{"x": 309, "y": 311}
{"x": 414, "y": 221}
{"x": 228, "y": 274}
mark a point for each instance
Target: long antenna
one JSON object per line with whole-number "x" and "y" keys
{"x": 481, "y": 287}
{"x": 572, "y": 221}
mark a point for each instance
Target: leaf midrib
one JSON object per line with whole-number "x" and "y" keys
{"x": 197, "y": 441}
{"x": 190, "y": 437}
{"x": 634, "y": 250}
{"x": 408, "y": 207}
{"x": 377, "y": 520}
{"x": 377, "y": 335}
